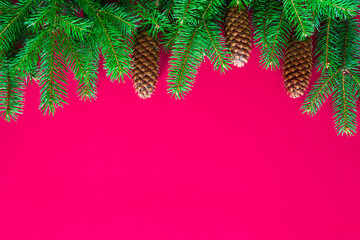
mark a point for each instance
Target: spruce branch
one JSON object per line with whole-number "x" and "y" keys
{"x": 12, "y": 22}
{"x": 340, "y": 78}
{"x": 25, "y": 62}
{"x": 87, "y": 89}
{"x": 11, "y": 94}
{"x": 72, "y": 26}
{"x": 241, "y": 4}
{"x": 115, "y": 45}
{"x": 325, "y": 51}
{"x": 272, "y": 32}
{"x": 186, "y": 58}
{"x": 6, "y": 7}
{"x": 153, "y": 19}
{"x": 181, "y": 10}
{"x": 124, "y": 20}
{"x": 344, "y": 105}
{"x": 348, "y": 45}
{"x": 191, "y": 41}
{"x": 53, "y": 78}
{"x": 216, "y": 49}
{"x": 335, "y": 9}
{"x": 260, "y": 20}
{"x": 38, "y": 19}
{"x": 344, "y": 95}
{"x": 168, "y": 9}
{"x": 83, "y": 62}
{"x": 300, "y": 15}
{"x": 356, "y": 77}
{"x": 318, "y": 94}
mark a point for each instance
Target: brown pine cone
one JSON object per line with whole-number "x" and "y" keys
{"x": 238, "y": 35}
{"x": 297, "y": 67}
{"x": 145, "y": 63}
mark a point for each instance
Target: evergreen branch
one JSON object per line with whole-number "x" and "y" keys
{"x": 5, "y": 41}
{"x": 37, "y": 20}
{"x": 348, "y": 44}
{"x": 344, "y": 106}
{"x": 87, "y": 89}
{"x": 110, "y": 42}
{"x": 53, "y": 79}
{"x": 169, "y": 9}
{"x": 337, "y": 50}
{"x": 191, "y": 12}
{"x": 11, "y": 96}
{"x": 356, "y": 77}
{"x": 125, "y": 21}
{"x": 116, "y": 62}
{"x": 74, "y": 27}
{"x": 170, "y": 37}
{"x": 26, "y": 60}
{"x": 326, "y": 43}
{"x": 274, "y": 33}
{"x": 183, "y": 12}
{"x": 12, "y": 25}
{"x": 336, "y": 9}
{"x": 300, "y": 15}
{"x": 321, "y": 90}
{"x": 274, "y": 52}
{"x": 299, "y": 20}
{"x": 213, "y": 9}
{"x": 189, "y": 48}
{"x": 260, "y": 19}
{"x": 217, "y": 51}
{"x": 187, "y": 56}
{"x": 9, "y": 24}
{"x": 345, "y": 46}
{"x": 146, "y": 13}
{"x": 83, "y": 66}
{"x": 6, "y": 7}
{"x": 242, "y": 4}
{"x": 152, "y": 19}
{"x": 115, "y": 46}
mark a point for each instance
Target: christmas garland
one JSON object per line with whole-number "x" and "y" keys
{"x": 41, "y": 38}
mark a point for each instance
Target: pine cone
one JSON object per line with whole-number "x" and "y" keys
{"x": 238, "y": 35}
{"x": 297, "y": 67}
{"x": 145, "y": 64}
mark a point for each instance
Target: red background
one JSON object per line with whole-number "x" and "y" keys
{"x": 235, "y": 160}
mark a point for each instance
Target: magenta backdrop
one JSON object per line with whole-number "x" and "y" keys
{"x": 235, "y": 160}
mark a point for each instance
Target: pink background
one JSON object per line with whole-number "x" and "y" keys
{"x": 235, "y": 160}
